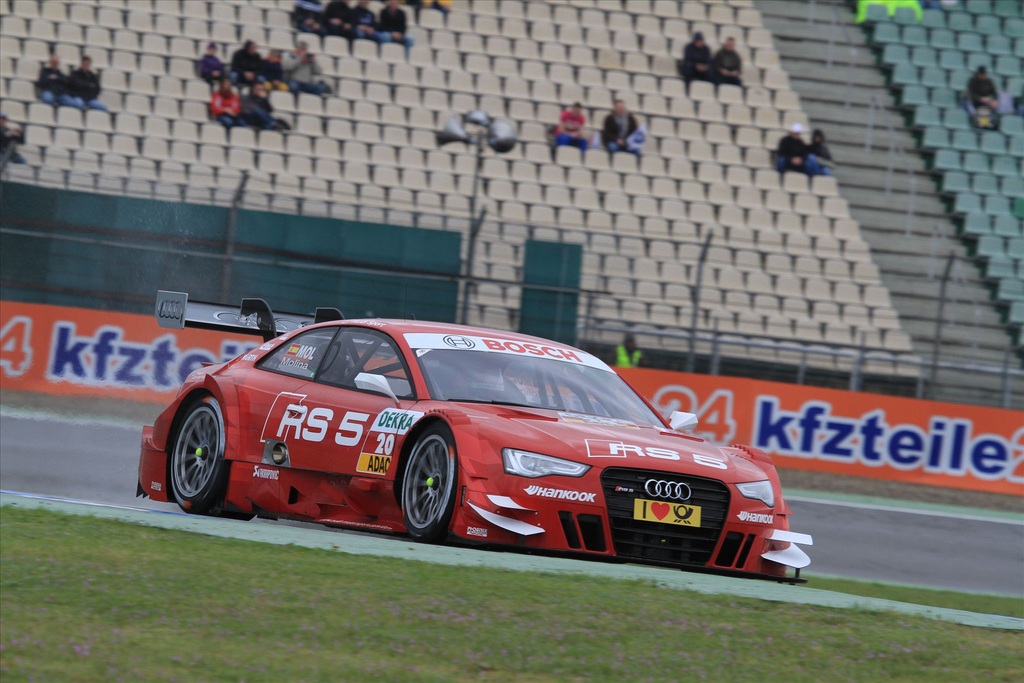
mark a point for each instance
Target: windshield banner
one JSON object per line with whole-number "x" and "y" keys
{"x": 844, "y": 432}
{"x": 84, "y": 352}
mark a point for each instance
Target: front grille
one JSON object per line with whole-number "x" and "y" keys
{"x": 657, "y": 542}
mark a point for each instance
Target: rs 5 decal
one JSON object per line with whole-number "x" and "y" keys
{"x": 290, "y": 419}
{"x": 601, "y": 448}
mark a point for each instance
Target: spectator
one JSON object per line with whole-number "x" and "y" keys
{"x": 245, "y": 65}
{"x": 635, "y": 142}
{"x": 794, "y": 154}
{"x": 364, "y": 22}
{"x": 392, "y": 26}
{"x": 338, "y": 19}
{"x": 727, "y": 65}
{"x": 572, "y": 128}
{"x": 444, "y": 6}
{"x": 307, "y": 15}
{"x": 272, "y": 72}
{"x": 820, "y": 151}
{"x": 256, "y": 108}
{"x": 696, "y": 63}
{"x": 981, "y": 91}
{"x": 627, "y": 355}
{"x": 225, "y": 106}
{"x": 618, "y": 126}
{"x": 211, "y": 69}
{"x": 10, "y": 137}
{"x": 301, "y": 71}
{"x": 84, "y": 86}
{"x": 53, "y": 85}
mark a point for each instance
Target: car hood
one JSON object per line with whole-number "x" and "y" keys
{"x": 602, "y": 443}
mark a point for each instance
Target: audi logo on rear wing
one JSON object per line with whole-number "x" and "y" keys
{"x": 170, "y": 309}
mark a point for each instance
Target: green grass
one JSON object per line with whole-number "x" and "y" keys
{"x": 970, "y": 602}
{"x": 84, "y": 599}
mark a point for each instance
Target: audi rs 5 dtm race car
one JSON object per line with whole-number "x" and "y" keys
{"x": 452, "y": 433}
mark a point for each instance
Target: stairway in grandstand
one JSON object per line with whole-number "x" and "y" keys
{"x": 788, "y": 262}
{"x": 911, "y": 264}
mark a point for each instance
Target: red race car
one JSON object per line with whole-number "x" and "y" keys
{"x": 451, "y": 433}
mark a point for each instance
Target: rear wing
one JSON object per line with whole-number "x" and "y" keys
{"x": 173, "y": 309}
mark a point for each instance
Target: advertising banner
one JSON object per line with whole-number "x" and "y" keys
{"x": 82, "y": 352}
{"x": 843, "y": 432}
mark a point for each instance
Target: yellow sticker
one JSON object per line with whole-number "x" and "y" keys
{"x": 666, "y": 513}
{"x": 373, "y": 463}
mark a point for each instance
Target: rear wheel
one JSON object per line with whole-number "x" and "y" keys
{"x": 429, "y": 485}
{"x": 198, "y": 468}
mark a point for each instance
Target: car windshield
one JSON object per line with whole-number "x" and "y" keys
{"x": 483, "y": 377}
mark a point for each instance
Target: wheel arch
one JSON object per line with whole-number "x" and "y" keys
{"x": 410, "y": 440}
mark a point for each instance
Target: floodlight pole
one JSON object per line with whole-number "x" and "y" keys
{"x": 475, "y": 223}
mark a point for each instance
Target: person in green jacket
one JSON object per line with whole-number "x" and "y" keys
{"x": 626, "y": 353}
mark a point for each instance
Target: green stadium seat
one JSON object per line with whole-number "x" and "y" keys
{"x": 984, "y": 184}
{"x": 914, "y": 96}
{"x": 1011, "y": 125}
{"x": 976, "y": 59}
{"x": 916, "y": 36}
{"x": 1008, "y": 10}
{"x": 967, "y": 203}
{"x": 886, "y": 34}
{"x": 1016, "y": 146}
{"x": 960, "y": 22}
{"x": 988, "y": 24}
{"x": 1016, "y": 314}
{"x": 927, "y": 116}
{"x": 952, "y": 59}
{"x": 924, "y": 56}
{"x": 969, "y": 42}
{"x": 1005, "y": 166}
{"x": 990, "y": 245}
{"x": 947, "y": 160}
{"x": 1018, "y": 208}
{"x": 1018, "y": 47}
{"x": 976, "y": 162}
{"x": 942, "y": 39}
{"x": 977, "y": 224}
{"x": 978, "y": 6}
{"x": 1007, "y": 226}
{"x": 993, "y": 142}
{"x": 907, "y": 15}
{"x": 1015, "y": 247}
{"x": 935, "y": 137}
{"x": 1011, "y": 289}
{"x": 958, "y": 79}
{"x": 1008, "y": 65}
{"x": 944, "y": 98}
{"x": 877, "y": 13}
{"x": 933, "y": 19}
{"x": 998, "y": 45}
{"x": 999, "y": 266}
{"x": 1012, "y": 186}
{"x": 956, "y": 119}
{"x": 895, "y": 54}
{"x": 1014, "y": 28}
{"x": 904, "y": 74}
{"x": 933, "y": 77}
{"x": 954, "y": 182}
{"x": 996, "y": 205}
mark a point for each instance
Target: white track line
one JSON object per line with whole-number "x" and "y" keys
{"x": 967, "y": 516}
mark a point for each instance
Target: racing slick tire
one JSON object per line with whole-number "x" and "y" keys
{"x": 430, "y": 485}
{"x": 198, "y": 469}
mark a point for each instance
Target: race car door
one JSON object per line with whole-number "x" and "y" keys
{"x": 365, "y": 425}
{"x": 274, "y": 397}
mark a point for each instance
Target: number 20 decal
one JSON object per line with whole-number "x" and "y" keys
{"x": 385, "y": 443}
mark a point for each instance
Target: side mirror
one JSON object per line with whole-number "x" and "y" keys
{"x": 375, "y": 383}
{"x": 680, "y": 421}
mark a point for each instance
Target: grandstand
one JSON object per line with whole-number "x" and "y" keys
{"x": 788, "y": 270}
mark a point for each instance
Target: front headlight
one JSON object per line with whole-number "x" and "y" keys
{"x": 758, "y": 490}
{"x": 533, "y": 465}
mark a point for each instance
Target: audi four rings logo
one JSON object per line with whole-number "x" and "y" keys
{"x": 459, "y": 342}
{"x": 676, "y": 490}
{"x": 171, "y": 309}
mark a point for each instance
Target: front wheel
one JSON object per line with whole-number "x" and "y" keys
{"x": 429, "y": 485}
{"x": 198, "y": 468}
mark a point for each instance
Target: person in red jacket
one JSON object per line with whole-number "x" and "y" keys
{"x": 225, "y": 105}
